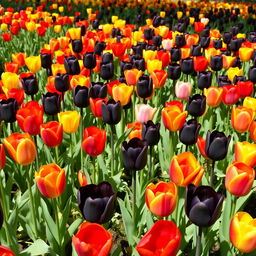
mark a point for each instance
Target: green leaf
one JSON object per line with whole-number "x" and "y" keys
{"x": 71, "y": 230}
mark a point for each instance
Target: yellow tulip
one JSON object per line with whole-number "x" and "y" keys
{"x": 232, "y": 72}
{"x": 153, "y": 65}
{"x": 33, "y": 63}
{"x": 31, "y": 26}
{"x": 10, "y": 80}
{"x": 70, "y": 121}
{"x": 75, "y": 33}
{"x": 57, "y": 28}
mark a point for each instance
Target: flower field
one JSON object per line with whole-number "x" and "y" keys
{"x": 127, "y": 128}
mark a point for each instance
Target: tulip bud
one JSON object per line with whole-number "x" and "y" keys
{"x": 71, "y": 65}
{"x": 187, "y": 65}
{"x": 174, "y": 71}
{"x": 111, "y": 112}
{"x": 227, "y": 36}
{"x": 46, "y": 58}
{"x": 216, "y": 62}
{"x": 148, "y": 33}
{"x": 252, "y": 74}
{"x": 8, "y": 109}
{"x": 99, "y": 47}
{"x": 183, "y": 90}
{"x": 151, "y": 132}
{"x": 81, "y": 96}
{"x": 189, "y": 132}
{"x": 175, "y": 54}
{"x": 77, "y": 45}
{"x": 196, "y": 105}
{"x": 180, "y": 41}
{"x": 196, "y": 50}
{"x": 157, "y": 40}
{"x": 107, "y": 70}
{"x": 29, "y": 83}
{"x": 89, "y": 60}
{"x": 204, "y": 79}
{"x": 61, "y": 82}
{"x": 51, "y": 103}
{"x": 98, "y": 90}
{"x": 205, "y": 42}
{"x": 144, "y": 86}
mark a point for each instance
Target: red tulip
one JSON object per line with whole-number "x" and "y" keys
{"x": 200, "y": 63}
{"x": 4, "y": 251}
{"x": 7, "y": 37}
{"x": 17, "y": 94}
{"x": 246, "y": 88}
{"x": 164, "y": 56}
{"x": 230, "y": 95}
{"x": 198, "y": 27}
{"x": 96, "y": 106}
{"x": 118, "y": 49}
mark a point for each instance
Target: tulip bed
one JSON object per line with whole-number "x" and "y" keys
{"x": 127, "y": 128}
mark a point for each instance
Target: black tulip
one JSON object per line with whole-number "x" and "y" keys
{"x": 140, "y": 64}
{"x": 97, "y": 202}
{"x": 111, "y": 112}
{"x": 107, "y": 70}
{"x": 81, "y": 96}
{"x": 216, "y": 62}
{"x": 107, "y": 57}
{"x": 89, "y": 60}
{"x": 98, "y": 90}
{"x": 180, "y": 41}
{"x": 196, "y": 50}
{"x": 51, "y": 103}
{"x": 252, "y": 74}
{"x": 189, "y": 132}
{"x": 239, "y": 79}
{"x": 223, "y": 80}
{"x": 137, "y": 49}
{"x": 235, "y": 44}
{"x": 205, "y": 32}
{"x": 187, "y": 65}
{"x": 77, "y": 45}
{"x": 144, "y": 86}
{"x": 151, "y": 47}
{"x": 203, "y": 205}
{"x": 181, "y": 27}
{"x": 174, "y": 71}
{"x": 217, "y": 43}
{"x": 227, "y": 36}
{"x": 234, "y": 30}
{"x": 148, "y": 33}
{"x": 83, "y": 30}
{"x": 175, "y": 54}
{"x": 72, "y": 65}
{"x": 95, "y": 24}
{"x": 151, "y": 132}
{"x": 124, "y": 65}
{"x": 99, "y": 47}
{"x": 49, "y": 72}
{"x": 157, "y": 40}
{"x": 204, "y": 79}
{"x": 237, "y": 63}
{"x": 196, "y": 105}
{"x": 122, "y": 79}
{"x": 61, "y": 82}
{"x": 156, "y": 21}
{"x": 216, "y": 146}
{"x": 8, "y": 109}
{"x": 29, "y": 84}
{"x": 46, "y": 59}
{"x": 134, "y": 154}
{"x": 205, "y": 42}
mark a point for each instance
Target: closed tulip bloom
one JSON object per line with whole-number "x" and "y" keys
{"x": 213, "y": 96}
{"x": 81, "y": 178}
{"x": 159, "y": 78}
{"x": 122, "y": 93}
{"x": 250, "y": 102}
{"x": 107, "y": 58}
{"x": 46, "y": 58}
{"x": 253, "y": 131}
{"x": 8, "y": 109}
{"x": 107, "y": 70}
{"x": 174, "y": 71}
{"x": 71, "y": 65}
{"x": 180, "y": 40}
{"x": 245, "y": 152}
{"x": 92, "y": 239}
{"x": 33, "y": 63}
{"x": 89, "y": 60}
{"x": 216, "y": 146}
{"x": 149, "y": 55}
{"x": 189, "y": 132}
{"x": 132, "y": 76}
{"x": 245, "y": 53}
{"x": 175, "y": 54}
{"x": 10, "y": 80}
{"x": 74, "y": 33}
{"x": 183, "y": 90}
{"x": 151, "y": 132}
{"x": 161, "y": 198}
{"x": 239, "y": 179}
{"x": 136, "y": 131}
{"x": 51, "y": 133}
{"x": 98, "y": 90}
{"x": 163, "y": 239}
{"x": 230, "y": 95}
{"x": 216, "y": 62}
{"x": 31, "y": 26}
{"x": 234, "y": 71}
{"x": 200, "y": 63}
{"x": 81, "y": 96}
{"x": 99, "y": 47}
{"x": 241, "y": 118}
{"x": 51, "y": 180}
{"x": 61, "y": 82}
{"x": 144, "y": 112}
{"x": 29, "y": 83}
{"x": 153, "y": 65}
{"x": 79, "y": 80}
{"x": 245, "y": 88}
{"x": 94, "y": 141}
{"x": 134, "y": 154}
{"x": 144, "y": 87}
{"x": 242, "y": 232}
{"x": 30, "y": 117}
{"x": 77, "y": 45}
{"x": 70, "y": 121}
{"x": 203, "y": 205}
{"x": 21, "y": 148}
{"x": 204, "y": 79}
{"x": 97, "y": 202}
{"x": 51, "y": 103}
{"x": 187, "y": 65}
{"x": 96, "y": 106}
{"x": 6, "y": 251}
{"x": 19, "y": 58}
{"x": 196, "y": 105}
{"x": 184, "y": 170}
{"x": 252, "y": 74}
{"x": 228, "y": 61}
{"x": 111, "y": 112}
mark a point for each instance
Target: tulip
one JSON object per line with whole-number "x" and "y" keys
{"x": 239, "y": 179}
{"x": 203, "y": 205}
{"x": 183, "y": 90}
{"x": 230, "y": 95}
{"x": 180, "y": 41}
{"x": 2, "y": 159}
{"x": 144, "y": 112}
{"x": 134, "y": 154}
{"x": 234, "y": 71}
{"x": 132, "y": 76}
{"x": 8, "y": 109}
{"x": 89, "y": 60}
{"x": 107, "y": 70}
{"x": 71, "y": 65}
{"x": 46, "y": 58}
{"x": 213, "y": 96}
{"x": 7, "y": 37}
{"x": 250, "y": 102}
{"x": 96, "y": 106}
{"x": 204, "y": 80}
{"x": 70, "y": 121}
{"x": 163, "y": 239}
{"x": 216, "y": 146}
{"x": 189, "y": 132}
{"x": 149, "y": 55}
{"x": 51, "y": 180}
{"x": 151, "y": 132}
{"x": 94, "y": 141}
{"x": 161, "y": 198}
{"x": 125, "y": 65}
{"x": 245, "y": 152}
{"x": 98, "y": 90}
{"x": 29, "y": 83}
{"x": 245, "y": 88}
{"x": 11, "y": 67}
{"x": 164, "y": 57}
{"x": 51, "y": 133}
{"x": 228, "y": 61}
{"x": 19, "y": 58}
{"x": 77, "y": 45}
{"x": 107, "y": 58}
{"x": 21, "y": 148}
{"x": 174, "y": 71}
{"x": 92, "y": 239}
{"x": 10, "y": 80}
{"x": 97, "y": 202}
{"x": 216, "y": 62}
{"x": 245, "y": 53}
{"x": 153, "y": 65}
{"x": 6, "y": 251}
{"x": 241, "y": 118}
{"x": 159, "y": 77}
{"x": 79, "y": 80}
{"x": 33, "y": 63}
{"x": 252, "y": 74}
{"x": 118, "y": 49}
{"x": 139, "y": 64}
{"x": 242, "y": 232}
{"x": 81, "y": 96}
{"x": 253, "y": 131}
{"x": 196, "y": 105}
{"x": 51, "y": 103}
{"x": 74, "y": 33}
{"x": 136, "y": 131}
{"x": 99, "y": 47}
{"x": 175, "y": 54}
{"x": 148, "y": 33}
{"x": 81, "y": 178}
{"x": 187, "y": 65}
{"x": 200, "y": 64}
{"x": 144, "y": 87}
{"x": 111, "y": 112}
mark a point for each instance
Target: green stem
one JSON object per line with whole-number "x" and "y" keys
{"x": 212, "y": 173}
{"x": 134, "y": 200}
{"x": 198, "y": 242}
{"x": 233, "y": 207}
{"x": 81, "y": 138}
{"x": 57, "y": 154}
{"x": 93, "y": 170}
{"x": 150, "y": 173}
{"x": 112, "y": 150}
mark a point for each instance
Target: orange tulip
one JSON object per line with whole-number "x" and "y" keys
{"x": 241, "y": 118}
{"x": 253, "y": 131}
{"x": 213, "y": 96}
{"x": 245, "y": 53}
{"x": 122, "y": 93}
{"x": 159, "y": 77}
{"x": 185, "y": 169}
{"x": 245, "y": 152}
{"x": 51, "y": 180}
{"x": 132, "y": 76}
{"x": 136, "y": 131}
{"x": 11, "y": 67}
{"x": 161, "y": 198}
{"x": 228, "y": 61}
{"x": 81, "y": 178}
{"x": 173, "y": 118}
{"x": 19, "y": 58}
{"x": 239, "y": 179}
{"x": 21, "y": 148}
{"x": 242, "y": 232}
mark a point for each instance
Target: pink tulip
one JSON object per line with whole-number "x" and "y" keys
{"x": 183, "y": 90}
{"x": 167, "y": 44}
{"x": 144, "y": 112}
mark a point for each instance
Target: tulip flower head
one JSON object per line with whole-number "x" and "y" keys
{"x": 144, "y": 112}
{"x": 70, "y": 121}
{"x": 183, "y": 90}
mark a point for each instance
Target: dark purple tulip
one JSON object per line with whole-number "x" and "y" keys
{"x": 77, "y": 45}
{"x": 252, "y": 74}
{"x": 151, "y": 47}
{"x": 203, "y": 205}
{"x": 148, "y": 33}
{"x": 81, "y": 96}
{"x": 217, "y": 44}
{"x": 196, "y": 50}
{"x": 115, "y": 32}
{"x": 29, "y": 84}
{"x": 156, "y": 21}
{"x": 83, "y": 30}
{"x": 227, "y": 36}
{"x": 187, "y": 65}
{"x": 189, "y": 132}
{"x": 137, "y": 49}
{"x": 111, "y": 112}
{"x": 125, "y": 65}
{"x": 106, "y": 58}
{"x": 216, "y": 146}
{"x": 205, "y": 42}
{"x": 205, "y": 32}
{"x": 174, "y": 71}
{"x": 8, "y": 109}
{"x": 61, "y": 82}
{"x": 196, "y": 105}
{"x": 97, "y": 202}
{"x": 151, "y": 132}
{"x": 157, "y": 40}
{"x": 98, "y": 90}
{"x": 46, "y": 60}
{"x": 51, "y": 103}
{"x": 99, "y": 48}
{"x": 134, "y": 154}
{"x": 204, "y": 79}
{"x": 238, "y": 79}
{"x": 216, "y": 62}
{"x": 139, "y": 64}
{"x": 180, "y": 41}
{"x": 144, "y": 86}
{"x": 72, "y": 65}
{"x": 234, "y": 30}
{"x": 89, "y": 60}
{"x": 107, "y": 70}
{"x": 95, "y": 24}
{"x": 235, "y": 44}
{"x": 223, "y": 80}
{"x": 175, "y": 54}
{"x": 237, "y": 63}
